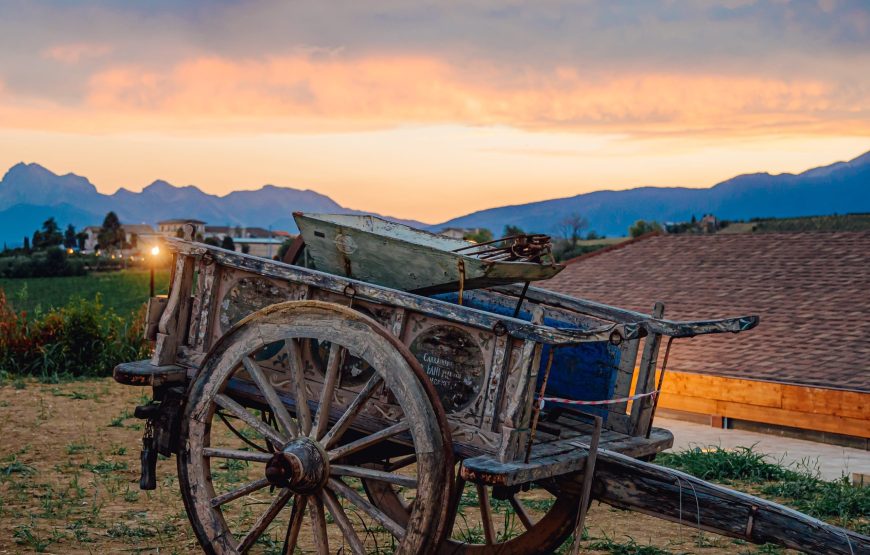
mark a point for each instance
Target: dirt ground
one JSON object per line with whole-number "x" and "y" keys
{"x": 69, "y": 459}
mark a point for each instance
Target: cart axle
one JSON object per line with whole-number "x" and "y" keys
{"x": 302, "y": 466}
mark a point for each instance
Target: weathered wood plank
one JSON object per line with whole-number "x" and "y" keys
{"x": 172, "y": 327}
{"x": 142, "y": 373}
{"x": 433, "y": 307}
{"x": 625, "y": 375}
{"x": 650, "y": 323}
{"x": 627, "y": 483}
{"x": 559, "y": 458}
{"x": 641, "y": 410}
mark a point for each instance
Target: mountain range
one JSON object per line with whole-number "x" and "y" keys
{"x": 30, "y": 193}
{"x": 840, "y": 188}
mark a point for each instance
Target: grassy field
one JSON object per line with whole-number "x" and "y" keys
{"x": 122, "y": 291}
{"x": 69, "y": 484}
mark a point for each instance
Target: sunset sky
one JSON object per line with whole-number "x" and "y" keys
{"x": 429, "y": 110}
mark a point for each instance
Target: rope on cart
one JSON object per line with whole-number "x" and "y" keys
{"x": 544, "y": 400}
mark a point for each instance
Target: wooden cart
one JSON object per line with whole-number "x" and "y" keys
{"x": 323, "y": 413}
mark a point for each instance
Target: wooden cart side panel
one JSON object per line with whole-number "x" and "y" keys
{"x": 495, "y": 383}
{"x": 641, "y": 410}
{"x": 617, "y": 419}
{"x": 202, "y": 303}
{"x": 173, "y": 322}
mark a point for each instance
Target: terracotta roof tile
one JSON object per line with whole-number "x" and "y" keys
{"x": 812, "y": 291}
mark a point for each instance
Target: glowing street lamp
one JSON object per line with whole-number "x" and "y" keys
{"x": 155, "y": 251}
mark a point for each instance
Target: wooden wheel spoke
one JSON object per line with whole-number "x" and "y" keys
{"x": 239, "y": 492}
{"x": 368, "y": 441}
{"x": 321, "y": 420}
{"x": 297, "y": 515}
{"x": 350, "y": 413}
{"x": 522, "y": 514}
{"x": 369, "y": 473}
{"x": 401, "y": 463}
{"x": 268, "y": 391}
{"x": 318, "y": 524}
{"x": 242, "y": 413}
{"x": 344, "y": 524}
{"x": 303, "y": 412}
{"x": 486, "y": 514}
{"x": 264, "y": 520}
{"x": 356, "y": 499}
{"x": 254, "y": 456}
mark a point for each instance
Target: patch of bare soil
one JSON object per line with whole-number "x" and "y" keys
{"x": 69, "y": 472}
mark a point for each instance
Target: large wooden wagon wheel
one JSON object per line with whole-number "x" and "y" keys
{"x": 289, "y": 473}
{"x": 497, "y": 522}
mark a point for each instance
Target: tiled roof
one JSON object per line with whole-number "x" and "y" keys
{"x": 812, "y": 291}
{"x": 138, "y": 228}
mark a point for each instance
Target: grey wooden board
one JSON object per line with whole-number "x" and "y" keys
{"x": 669, "y": 328}
{"x": 387, "y": 253}
{"x": 142, "y": 373}
{"x": 665, "y": 493}
{"x": 560, "y": 458}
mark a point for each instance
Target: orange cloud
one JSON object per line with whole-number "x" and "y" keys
{"x": 302, "y": 93}
{"x": 389, "y": 91}
{"x": 75, "y": 52}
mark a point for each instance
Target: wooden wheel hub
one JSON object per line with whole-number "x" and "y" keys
{"x": 302, "y": 466}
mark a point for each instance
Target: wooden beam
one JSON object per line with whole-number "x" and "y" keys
{"x": 810, "y": 408}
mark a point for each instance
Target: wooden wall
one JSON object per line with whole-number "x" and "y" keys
{"x": 809, "y": 408}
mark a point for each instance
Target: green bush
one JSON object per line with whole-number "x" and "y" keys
{"x": 81, "y": 339}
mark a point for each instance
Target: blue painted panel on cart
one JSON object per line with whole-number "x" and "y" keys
{"x": 584, "y": 372}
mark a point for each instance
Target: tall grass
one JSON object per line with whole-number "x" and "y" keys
{"x": 799, "y": 486}
{"x": 83, "y": 338}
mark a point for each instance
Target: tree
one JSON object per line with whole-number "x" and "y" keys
{"x": 246, "y": 248}
{"x": 69, "y": 237}
{"x": 228, "y": 243}
{"x": 26, "y": 246}
{"x": 111, "y": 235}
{"x": 570, "y": 226}
{"x": 591, "y": 236}
{"x": 511, "y": 230}
{"x": 212, "y": 241}
{"x": 480, "y": 235}
{"x": 282, "y": 250}
{"x": 49, "y": 237}
{"x": 81, "y": 239}
{"x": 642, "y": 227}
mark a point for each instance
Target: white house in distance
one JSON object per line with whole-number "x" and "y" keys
{"x": 140, "y": 237}
{"x": 253, "y": 240}
{"x": 172, "y": 227}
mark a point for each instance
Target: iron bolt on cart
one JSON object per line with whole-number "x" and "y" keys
{"x": 329, "y": 413}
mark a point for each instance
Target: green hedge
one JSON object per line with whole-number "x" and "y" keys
{"x": 49, "y": 263}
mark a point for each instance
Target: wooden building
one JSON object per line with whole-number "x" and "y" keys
{"x": 804, "y": 371}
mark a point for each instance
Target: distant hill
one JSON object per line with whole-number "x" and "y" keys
{"x": 840, "y": 188}
{"x": 30, "y": 193}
